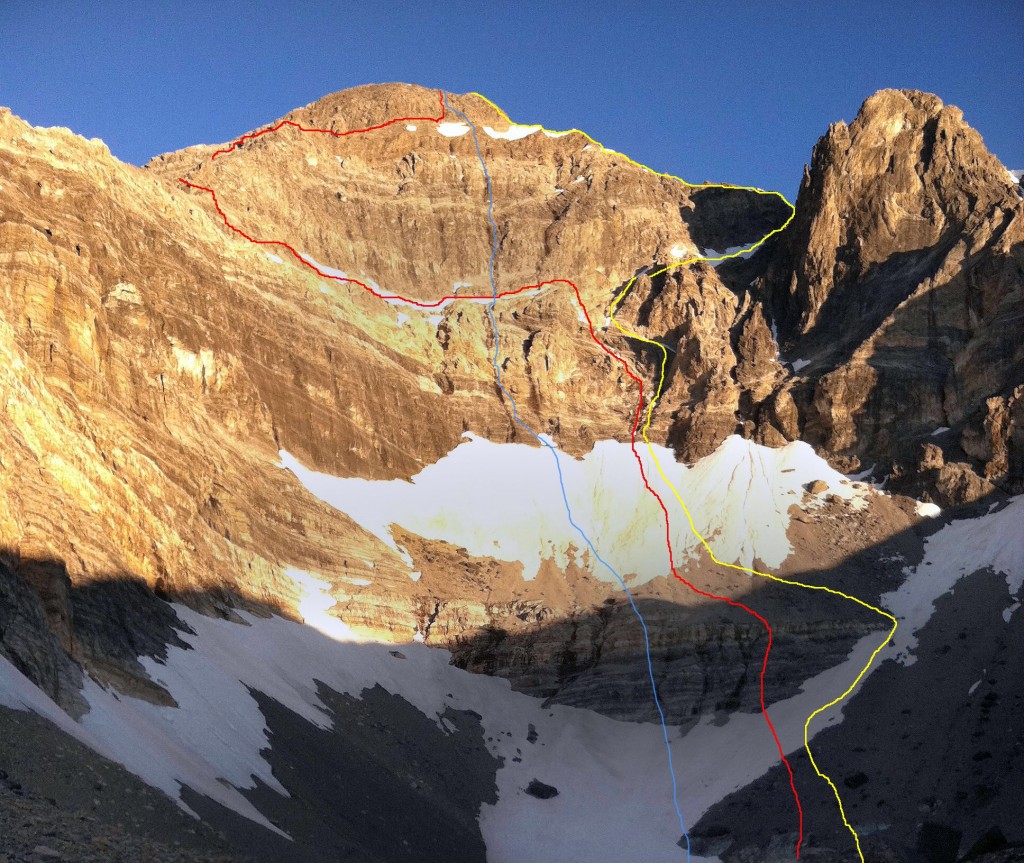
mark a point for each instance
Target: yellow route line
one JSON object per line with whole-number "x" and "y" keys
{"x": 686, "y": 510}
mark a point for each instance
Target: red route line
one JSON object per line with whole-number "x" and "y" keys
{"x": 252, "y": 135}
{"x": 590, "y": 325}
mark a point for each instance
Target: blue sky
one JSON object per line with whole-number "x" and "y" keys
{"x": 726, "y": 91}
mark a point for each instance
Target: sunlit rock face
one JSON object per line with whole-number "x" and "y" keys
{"x": 898, "y": 287}
{"x": 158, "y": 363}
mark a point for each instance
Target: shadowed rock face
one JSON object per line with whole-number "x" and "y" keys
{"x": 724, "y": 218}
{"x": 28, "y": 642}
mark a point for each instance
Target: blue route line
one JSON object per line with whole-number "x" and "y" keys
{"x": 558, "y": 466}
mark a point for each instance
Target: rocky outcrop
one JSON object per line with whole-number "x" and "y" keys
{"x": 28, "y": 643}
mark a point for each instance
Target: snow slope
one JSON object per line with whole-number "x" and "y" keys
{"x": 611, "y": 776}
{"x": 993, "y": 540}
{"x": 20, "y": 693}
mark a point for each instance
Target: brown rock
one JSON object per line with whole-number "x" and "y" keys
{"x": 900, "y": 277}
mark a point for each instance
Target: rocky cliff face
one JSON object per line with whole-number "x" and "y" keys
{"x": 898, "y": 289}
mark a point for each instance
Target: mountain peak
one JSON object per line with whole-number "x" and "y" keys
{"x": 907, "y": 171}
{"x": 892, "y": 275}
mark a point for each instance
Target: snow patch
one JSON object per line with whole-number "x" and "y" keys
{"x": 452, "y": 130}
{"x": 274, "y": 258}
{"x": 1008, "y": 612}
{"x": 435, "y": 319}
{"x": 401, "y": 319}
{"x": 390, "y": 300}
{"x": 863, "y": 475}
{"x": 19, "y": 693}
{"x": 410, "y": 128}
{"x": 940, "y": 430}
{"x": 974, "y": 686}
{"x": 323, "y": 268}
{"x": 315, "y": 601}
{"x": 927, "y": 510}
{"x": 169, "y": 747}
{"x": 611, "y": 775}
{"x": 800, "y": 364}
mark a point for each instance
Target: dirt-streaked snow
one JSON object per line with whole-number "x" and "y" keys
{"x": 739, "y": 497}
{"x": 512, "y": 133}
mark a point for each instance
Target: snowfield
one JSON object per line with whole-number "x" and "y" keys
{"x": 452, "y": 130}
{"x": 994, "y": 540}
{"x": 739, "y": 497}
{"x": 512, "y": 133}
{"x": 611, "y": 776}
